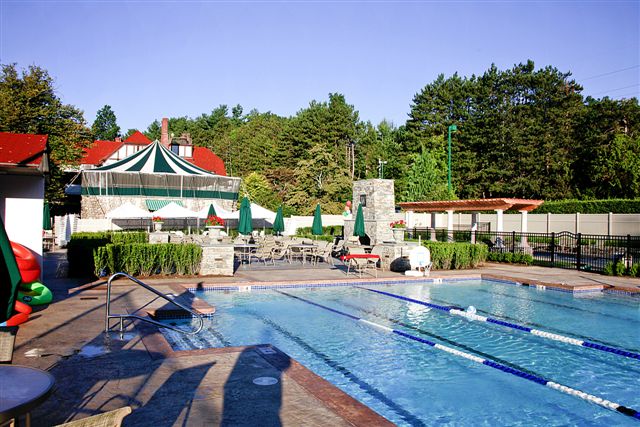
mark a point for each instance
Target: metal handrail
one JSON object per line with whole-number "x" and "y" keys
{"x": 108, "y": 314}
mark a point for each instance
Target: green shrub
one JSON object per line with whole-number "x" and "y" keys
{"x": 331, "y": 230}
{"x": 517, "y": 258}
{"x": 590, "y": 206}
{"x": 81, "y": 247}
{"x": 634, "y": 271}
{"x": 144, "y": 259}
{"x": 447, "y": 256}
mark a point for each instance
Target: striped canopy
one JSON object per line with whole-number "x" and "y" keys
{"x": 155, "y": 172}
{"x": 155, "y": 158}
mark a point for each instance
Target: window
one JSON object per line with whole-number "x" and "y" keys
{"x": 175, "y": 149}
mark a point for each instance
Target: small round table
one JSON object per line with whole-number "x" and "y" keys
{"x": 22, "y": 388}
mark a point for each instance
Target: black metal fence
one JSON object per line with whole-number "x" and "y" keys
{"x": 589, "y": 252}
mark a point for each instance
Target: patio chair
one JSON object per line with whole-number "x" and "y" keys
{"x": 361, "y": 265}
{"x": 323, "y": 251}
{"x": 107, "y": 419}
{"x": 280, "y": 252}
{"x": 264, "y": 252}
{"x": 7, "y": 341}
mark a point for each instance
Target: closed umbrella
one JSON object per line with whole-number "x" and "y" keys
{"x": 212, "y": 211}
{"x": 244, "y": 224}
{"x": 46, "y": 217}
{"x": 358, "y": 226}
{"x": 278, "y": 223}
{"x": 316, "y": 228}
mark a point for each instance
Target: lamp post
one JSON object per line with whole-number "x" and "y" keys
{"x": 452, "y": 128}
{"x": 381, "y": 164}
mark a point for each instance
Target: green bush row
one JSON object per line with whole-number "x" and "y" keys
{"x": 455, "y": 256}
{"x": 517, "y": 258}
{"x": 330, "y": 230}
{"x": 145, "y": 259}
{"x": 622, "y": 206}
{"x": 619, "y": 269}
{"x": 82, "y": 245}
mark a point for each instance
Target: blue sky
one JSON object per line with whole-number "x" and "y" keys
{"x": 153, "y": 59}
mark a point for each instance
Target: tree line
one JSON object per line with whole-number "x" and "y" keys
{"x": 521, "y": 132}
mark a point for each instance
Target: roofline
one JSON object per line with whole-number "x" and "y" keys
{"x": 475, "y": 205}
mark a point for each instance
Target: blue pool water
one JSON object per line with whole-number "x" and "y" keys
{"x": 415, "y": 384}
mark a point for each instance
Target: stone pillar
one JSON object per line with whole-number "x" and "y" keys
{"x": 523, "y": 229}
{"x": 433, "y": 227}
{"x": 475, "y": 218}
{"x": 499, "y": 227}
{"x": 450, "y": 226}
{"x": 577, "y": 222}
{"x": 378, "y": 209}
{"x": 409, "y": 219}
{"x": 548, "y": 222}
{"x": 610, "y": 224}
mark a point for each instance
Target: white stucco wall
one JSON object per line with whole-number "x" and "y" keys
{"x": 21, "y": 205}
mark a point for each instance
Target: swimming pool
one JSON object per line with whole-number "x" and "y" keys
{"x": 412, "y": 382}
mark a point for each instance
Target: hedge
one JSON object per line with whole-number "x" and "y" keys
{"x": 145, "y": 259}
{"x": 82, "y": 245}
{"x": 622, "y": 206}
{"x": 512, "y": 258}
{"x": 455, "y": 256}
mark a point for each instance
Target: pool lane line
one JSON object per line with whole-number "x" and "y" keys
{"x": 531, "y": 324}
{"x": 536, "y": 332}
{"x": 436, "y": 336}
{"x": 607, "y": 404}
{"x": 555, "y": 304}
{"x": 345, "y": 372}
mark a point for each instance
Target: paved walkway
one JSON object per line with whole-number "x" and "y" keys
{"x": 97, "y": 372}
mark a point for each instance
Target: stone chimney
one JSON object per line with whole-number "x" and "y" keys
{"x": 164, "y": 133}
{"x": 118, "y": 139}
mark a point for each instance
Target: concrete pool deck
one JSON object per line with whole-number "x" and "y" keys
{"x": 97, "y": 372}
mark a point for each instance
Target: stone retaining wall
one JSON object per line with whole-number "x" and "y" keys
{"x": 217, "y": 260}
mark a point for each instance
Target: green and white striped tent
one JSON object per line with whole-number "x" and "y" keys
{"x": 155, "y": 171}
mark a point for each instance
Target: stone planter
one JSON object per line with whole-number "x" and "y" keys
{"x": 214, "y": 230}
{"x": 398, "y": 234}
{"x": 157, "y": 226}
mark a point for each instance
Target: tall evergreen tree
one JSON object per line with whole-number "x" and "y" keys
{"x": 105, "y": 126}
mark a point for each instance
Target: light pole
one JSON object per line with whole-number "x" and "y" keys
{"x": 452, "y": 128}
{"x": 381, "y": 168}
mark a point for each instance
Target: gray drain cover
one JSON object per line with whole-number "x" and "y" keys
{"x": 265, "y": 381}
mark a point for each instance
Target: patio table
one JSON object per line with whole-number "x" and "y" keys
{"x": 303, "y": 249}
{"x": 22, "y": 388}
{"x": 244, "y": 250}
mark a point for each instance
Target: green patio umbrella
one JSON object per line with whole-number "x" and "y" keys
{"x": 316, "y": 228}
{"x": 9, "y": 276}
{"x": 244, "y": 223}
{"x": 46, "y": 217}
{"x": 212, "y": 211}
{"x": 278, "y": 223}
{"x": 358, "y": 226}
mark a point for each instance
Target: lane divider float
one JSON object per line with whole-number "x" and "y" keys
{"x": 537, "y": 332}
{"x": 607, "y": 404}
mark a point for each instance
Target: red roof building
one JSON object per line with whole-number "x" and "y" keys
{"x": 99, "y": 152}
{"x": 138, "y": 138}
{"x": 208, "y": 160}
{"x": 23, "y": 152}
{"x": 104, "y": 152}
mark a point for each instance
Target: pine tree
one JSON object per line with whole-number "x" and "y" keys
{"x": 104, "y": 126}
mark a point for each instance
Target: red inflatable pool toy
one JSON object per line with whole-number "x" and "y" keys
{"x": 22, "y": 314}
{"x": 27, "y": 263}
